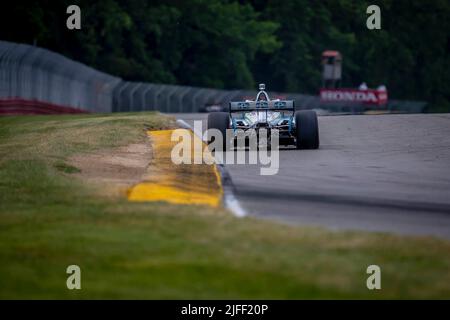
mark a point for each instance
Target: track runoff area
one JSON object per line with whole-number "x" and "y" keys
{"x": 382, "y": 173}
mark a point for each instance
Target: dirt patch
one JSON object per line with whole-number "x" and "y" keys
{"x": 114, "y": 170}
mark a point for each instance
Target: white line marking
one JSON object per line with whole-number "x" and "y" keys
{"x": 186, "y": 125}
{"x": 233, "y": 204}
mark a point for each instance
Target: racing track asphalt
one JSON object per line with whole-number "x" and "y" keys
{"x": 388, "y": 173}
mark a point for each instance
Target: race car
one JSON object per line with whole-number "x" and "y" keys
{"x": 299, "y": 128}
{"x": 212, "y": 107}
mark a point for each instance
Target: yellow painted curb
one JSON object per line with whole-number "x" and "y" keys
{"x": 182, "y": 183}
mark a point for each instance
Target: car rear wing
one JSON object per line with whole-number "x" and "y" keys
{"x": 274, "y": 105}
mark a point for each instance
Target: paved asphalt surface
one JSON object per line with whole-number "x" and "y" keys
{"x": 388, "y": 173}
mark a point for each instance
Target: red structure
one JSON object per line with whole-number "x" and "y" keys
{"x": 331, "y": 91}
{"x": 332, "y": 69}
{"x": 368, "y": 96}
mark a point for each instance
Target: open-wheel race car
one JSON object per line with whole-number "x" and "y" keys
{"x": 299, "y": 128}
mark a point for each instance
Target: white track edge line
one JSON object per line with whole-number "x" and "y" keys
{"x": 229, "y": 199}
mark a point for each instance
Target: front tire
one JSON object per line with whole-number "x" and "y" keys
{"x": 307, "y": 129}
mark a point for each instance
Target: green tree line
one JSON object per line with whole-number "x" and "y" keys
{"x": 236, "y": 44}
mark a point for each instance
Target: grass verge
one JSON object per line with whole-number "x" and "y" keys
{"x": 49, "y": 220}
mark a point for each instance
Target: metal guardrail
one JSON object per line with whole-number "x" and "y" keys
{"x": 31, "y": 73}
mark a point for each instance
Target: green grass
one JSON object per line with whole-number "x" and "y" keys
{"x": 49, "y": 220}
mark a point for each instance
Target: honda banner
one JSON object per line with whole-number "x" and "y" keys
{"x": 369, "y": 96}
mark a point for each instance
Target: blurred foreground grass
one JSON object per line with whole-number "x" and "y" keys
{"x": 49, "y": 220}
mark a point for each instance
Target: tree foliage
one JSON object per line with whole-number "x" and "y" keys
{"x": 234, "y": 44}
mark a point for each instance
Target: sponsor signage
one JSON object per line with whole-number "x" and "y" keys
{"x": 369, "y": 96}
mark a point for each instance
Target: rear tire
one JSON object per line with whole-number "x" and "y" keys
{"x": 307, "y": 129}
{"x": 221, "y": 122}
